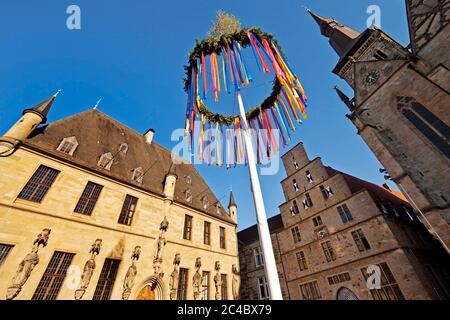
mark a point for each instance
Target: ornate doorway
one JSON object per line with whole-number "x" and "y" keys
{"x": 151, "y": 289}
{"x": 346, "y": 294}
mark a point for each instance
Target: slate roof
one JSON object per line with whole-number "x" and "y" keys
{"x": 97, "y": 134}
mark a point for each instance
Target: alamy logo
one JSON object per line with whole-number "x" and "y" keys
{"x": 374, "y": 279}
{"x": 73, "y": 21}
{"x": 375, "y": 16}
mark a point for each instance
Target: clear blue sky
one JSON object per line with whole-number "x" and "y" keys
{"x": 131, "y": 54}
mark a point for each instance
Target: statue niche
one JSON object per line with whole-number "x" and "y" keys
{"x": 173, "y": 283}
{"x": 88, "y": 269}
{"x": 197, "y": 280}
{"x": 160, "y": 244}
{"x": 128, "y": 282}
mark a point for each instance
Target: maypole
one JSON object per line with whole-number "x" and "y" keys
{"x": 218, "y": 64}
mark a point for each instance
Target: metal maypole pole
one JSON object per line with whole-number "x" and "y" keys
{"x": 261, "y": 217}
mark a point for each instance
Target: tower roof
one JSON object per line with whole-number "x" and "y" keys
{"x": 42, "y": 108}
{"x": 342, "y": 38}
{"x": 232, "y": 201}
{"x": 172, "y": 170}
{"x": 350, "y": 103}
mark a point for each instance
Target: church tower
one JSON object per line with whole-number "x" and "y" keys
{"x": 31, "y": 119}
{"x": 400, "y": 106}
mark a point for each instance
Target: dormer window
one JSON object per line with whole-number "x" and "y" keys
{"x": 218, "y": 208}
{"x": 205, "y": 202}
{"x": 123, "y": 148}
{"x": 188, "y": 179}
{"x": 105, "y": 161}
{"x": 68, "y": 145}
{"x": 188, "y": 195}
{"x": 309, "y": 177}
{"x": 138, "y": 175}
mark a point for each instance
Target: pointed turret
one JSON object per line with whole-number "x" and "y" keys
{"x": 350, "y": 103}
{"x": 342, "y": 38}
{"x": 42, "y": 108}
{"x": 232, "y": 207}
{"x": 170, "y": 181}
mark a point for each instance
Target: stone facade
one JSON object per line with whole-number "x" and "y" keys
{"x": 400, "y": 104}
{"x": 144, "y": 251}
{"x": 363, "y": 224}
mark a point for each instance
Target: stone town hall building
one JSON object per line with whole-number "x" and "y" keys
{"x": 334, "y": 232}
{"x": 401, "y": 103}
{"x": 90, "y": 209}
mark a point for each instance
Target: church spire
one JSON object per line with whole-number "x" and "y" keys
{"x": 43, "y": 108}
{"x": 232, "y": 201}
{"x": 342, "y": 38}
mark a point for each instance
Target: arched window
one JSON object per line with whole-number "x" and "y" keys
{"x": 433, "y": 128}
{"x": 123, "y": 148}
{"x": 205, "y": 202}
{"x": 346, "y": 294}
{"x": 105, "y": 161}
{"x": 68, "y": 145}
{"x": 188, "y": 195}
{"x": 138, "y": 175}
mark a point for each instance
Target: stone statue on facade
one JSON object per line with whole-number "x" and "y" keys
{"x": 88, "y": 269}
{"x": 235, "y": 282}
{"x": 218, "y": 281}
{"x": 173, "y": 283}
{"x": 27, "y": 265}
{"x": 197, "y": 280}
{"x": 128, "y": 282}
{"x": 160, "y": 244}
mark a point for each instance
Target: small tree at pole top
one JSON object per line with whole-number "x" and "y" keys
{"x": 217, "y": 64}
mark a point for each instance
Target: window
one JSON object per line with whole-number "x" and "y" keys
{"x": 345, "y": 214}
{"x": 128, "y": 210}
{"x": 222, "y": 237}
{"x": 182, "y": 284}
{"x": 68, "y": 145}
{"x": 295, "y": 209}
{"x": 310, "y": 291}
{"x": 106, "y": 280}
{"x": 307, "y": 203}
{"x": 339, "y": 278}
{"x": 188, "y": 179}
{"x": 380, "y": 55}
{"x": 263, "y": 289}
{"x": 188, "y": 195}
{"x": 360, "y": 240}
{"x": 39, "y": 184}
{"x": 207, "y": 233}
{"x": 326, "y": 192}
{"x": 295, "y": 185}
{"x": 205, "y": 202}
{"x": 224, "y": 287}
{"x": 105, "y": 161}
{"x": 4, "y": 251}
{"x": 328, "y": 250}
{"x": 309, "y": 177}
{"x": 187, "y": 232}
{"x": 317, "y": 221}
{"x": 138, "y": 175}
{"x": 123, "y": 148}
{"x": 259, "y": 259}
{"x": 296, "y": 234}
{"x": 88, "y": 198}
{"x": 205, "y": 285}
{"x": 389, "y": 288}
{"x": 296, "y": 166}
{"x": 301, "y": 259}
{"x": 53, "y": 278}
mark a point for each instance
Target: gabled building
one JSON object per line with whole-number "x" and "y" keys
{"x": 401, "y": 103}
{"x": 91, "y": 209}
{"x": 340, "y": 237}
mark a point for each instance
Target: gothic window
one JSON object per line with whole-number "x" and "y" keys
{"x": 138, "y": 175}
{"x": 4, "y": 251}
{"x": 346, "y": 294}
{"x": 123, "y": 148}
{"x": 309, "y": 177}
{"x": 39, "y": 184}
{"x": 105, "y": 161}
{"x": 53, "y": 278}
{"x": 128, "y": 210}
{"x": 106, "y": 280}
{"x": 295, "y": 185}
{"x": 68, "y": 145}
{"x": 430, "y": 126}
{"x": 188, "y": 195}
{"x": 88, "y": 198}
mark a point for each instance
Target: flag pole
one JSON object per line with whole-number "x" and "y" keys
{"x": 270, "y": 265}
